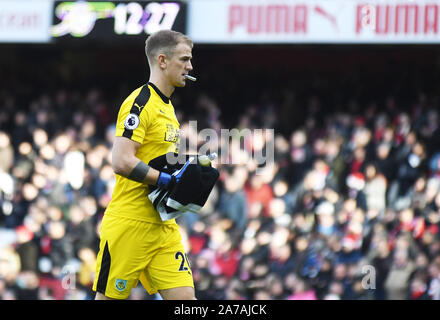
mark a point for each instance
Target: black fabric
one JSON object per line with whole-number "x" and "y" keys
{"x": 162, "y": 164}
{"x": 157, "y": 200}
{"x": 137, "y": 107}
{"x": 161, "y": 95}
{"x": 195, "y": 184}
{"x": 104, "y": 271}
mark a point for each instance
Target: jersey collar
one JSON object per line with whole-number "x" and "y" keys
{"x": 161, "y": 95}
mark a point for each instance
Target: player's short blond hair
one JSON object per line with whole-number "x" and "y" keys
{"x": 164, "y": 41}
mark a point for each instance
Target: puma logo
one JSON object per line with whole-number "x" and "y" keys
{"x": 136, "y": 105}
{"x": 327, "y": 15}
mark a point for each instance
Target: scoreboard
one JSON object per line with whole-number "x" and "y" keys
{"x": 112, "y": 20}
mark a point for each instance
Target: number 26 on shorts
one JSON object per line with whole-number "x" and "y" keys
{"x": 183, "y": 258}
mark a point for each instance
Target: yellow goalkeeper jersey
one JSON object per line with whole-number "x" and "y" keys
{"x": 146, "y": 116}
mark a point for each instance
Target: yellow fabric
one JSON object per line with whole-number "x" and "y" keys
{"x": 151, "y": 252}
{"x": 158, "y": 133}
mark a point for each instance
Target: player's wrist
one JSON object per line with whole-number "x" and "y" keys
{"x": 139, "y": 173}
{"x": 164, "y": 180}
{"x": 168, "y": 181}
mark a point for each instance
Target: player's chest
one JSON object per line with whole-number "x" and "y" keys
{"x": 165, "y": 128}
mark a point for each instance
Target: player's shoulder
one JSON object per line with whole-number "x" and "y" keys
{"x": 139, "y": 96}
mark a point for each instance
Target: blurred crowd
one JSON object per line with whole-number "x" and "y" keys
{"x": 348, "y": 209}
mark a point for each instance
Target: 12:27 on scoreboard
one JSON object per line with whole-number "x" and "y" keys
{"x": 78, "y": 18}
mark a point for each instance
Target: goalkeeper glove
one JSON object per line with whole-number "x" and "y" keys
{"x": 168, "y": 181}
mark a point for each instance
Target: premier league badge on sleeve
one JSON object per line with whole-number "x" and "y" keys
{"x": 132, "y": 121}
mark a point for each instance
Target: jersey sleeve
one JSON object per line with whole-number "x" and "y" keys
{"x": 133, "y": 120}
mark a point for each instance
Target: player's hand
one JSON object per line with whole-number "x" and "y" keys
{"x": 168, "y": 181}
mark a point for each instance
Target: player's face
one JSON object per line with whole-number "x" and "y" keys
{"x": 179, "y": 65}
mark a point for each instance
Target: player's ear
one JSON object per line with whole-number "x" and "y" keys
{"x": 162, "y": 61}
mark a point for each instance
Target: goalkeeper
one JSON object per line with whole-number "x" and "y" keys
{"x": 135, "y": 244}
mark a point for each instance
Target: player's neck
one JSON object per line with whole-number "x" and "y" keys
{"x": 163, "y": 85}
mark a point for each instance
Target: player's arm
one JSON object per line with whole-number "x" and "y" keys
{"x": 126, "y": 164}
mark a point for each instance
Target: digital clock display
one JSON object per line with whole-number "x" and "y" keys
{"x": 116, "y": 19}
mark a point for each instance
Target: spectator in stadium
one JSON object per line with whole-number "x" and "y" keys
{"x": 397, "y": 281}
{"x": 363, "y": 189}
{"x": 232, "y": 202}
